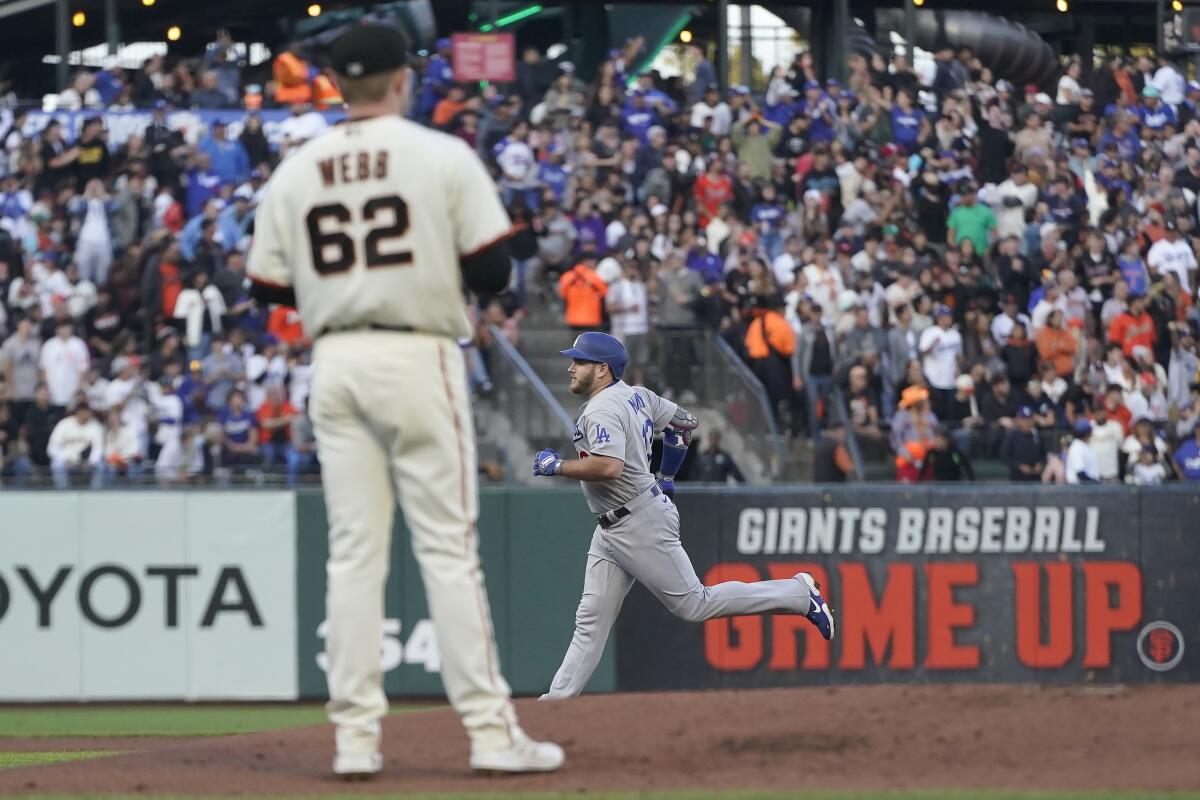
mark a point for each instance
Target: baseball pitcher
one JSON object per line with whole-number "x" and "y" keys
{"x": 370, "y": 230}
{"x": 637, "y": 525}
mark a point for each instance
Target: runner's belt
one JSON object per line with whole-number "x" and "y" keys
{"x": 610, "y": 518}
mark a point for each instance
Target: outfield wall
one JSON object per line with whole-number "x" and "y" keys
{"x": 220, "y": 595}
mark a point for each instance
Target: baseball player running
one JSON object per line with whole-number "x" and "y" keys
{"x": 371, "y": 230}
{"x": 637, "y": 525}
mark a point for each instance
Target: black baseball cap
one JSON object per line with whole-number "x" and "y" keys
{"x": 369, "y": 49}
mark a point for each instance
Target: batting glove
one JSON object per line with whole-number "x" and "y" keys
{"x": 667, "y": 485}
{"x": 547, "y": 463}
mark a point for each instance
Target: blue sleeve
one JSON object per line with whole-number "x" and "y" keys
{"x": 675, "y": 447}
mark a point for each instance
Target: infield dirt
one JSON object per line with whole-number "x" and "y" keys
{"x": 874, "y": 737}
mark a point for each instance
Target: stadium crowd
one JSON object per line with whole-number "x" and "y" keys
{"x": 975, "y": 267}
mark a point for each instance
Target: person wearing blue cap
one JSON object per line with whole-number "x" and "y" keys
{"x": 228, "y": 157}
{"x": 1023, "y": 450}
{"x": 1082, "y": 466}
{"x": 819, "y": 108}
{"x": 436, "y": 82}
{"x": 1154, "y": 113}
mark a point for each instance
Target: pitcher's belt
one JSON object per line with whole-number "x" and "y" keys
{"x": 370, "y": 326}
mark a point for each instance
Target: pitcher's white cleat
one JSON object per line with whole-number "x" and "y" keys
{"x": 357, "y": 766}
{"x": 523, "y": 755}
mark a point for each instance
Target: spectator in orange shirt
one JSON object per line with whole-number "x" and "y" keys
{"x": 711, "y": 190}
{"x": 1058, "y": 345}
{"x": 1133, "y": 327}
{"x": 275, "y": 418}
{"x": 1115, "y": 406}
{"x": 284, "y": 324}
{"x": 770, "y": 342}
{"x": 583, "y": 292}
{"x": 449, "y": 107}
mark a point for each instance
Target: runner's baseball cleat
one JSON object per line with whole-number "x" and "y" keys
{"x": 524, "y": 755}
{"x": 819, "y": 613}
{"x": 357, "y": 766}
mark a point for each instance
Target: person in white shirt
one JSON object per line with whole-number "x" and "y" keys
{"x": 76, "y": 445}
{"x": 1010, "y": 315}
{"x": 712, "y": 114}
{"x": 302, "y": 125}
{"x": 64, "y": 360}
{"x": 1107, "y": 436}
{"x": 93, "y": 244}
{"x": 941, "y": 351}
{"x": 1068, "y": 86}
{"x": 1011, "y": 200}
{"x": 824, "y": 285}
{"x": 1170, "y": 83}
{"x": 123, "y": 453}
{"x": 630, "y": 315}
{"x": 202, "y": 307}
{"x": 1172, "y": 253}
{"x": 1148, "y": 471}
{"x": 785, "y": 264}
{"x": 518, "y": 166}
{"x": 167, "y": 410}
{"x": 1082, "y": 466}
{"x": 1052, "y": 300}
{"x": 268, "y": 368}
{"x": 82, "y": 295}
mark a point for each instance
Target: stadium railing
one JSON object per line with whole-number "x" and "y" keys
{"x": 531, "y": 408}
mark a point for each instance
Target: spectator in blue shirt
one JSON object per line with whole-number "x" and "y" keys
{"x": 239, "y": 433}
{"x": 203, "y": 184}
{"x": 227, "y": 158}
{"x": 781, "y": 113}
{"x": 821, "y": 110}
{"x": 908, "y": 122}
{"x": 1126, "y": 139}
{"x": 709, "y": 265}
{"x": 1187, "y": 458}
{"x": 1154, "y": 114}
{"x": 439, "y": 76}
{"x": 640, "y": 116}
{"x": 768, "y": 216}
{"x": 1110, "y": 178}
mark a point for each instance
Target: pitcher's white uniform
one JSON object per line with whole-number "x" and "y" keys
{"x": 367, "y": 222}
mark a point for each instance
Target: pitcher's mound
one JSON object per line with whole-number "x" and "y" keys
{"x": 873, "y": 737}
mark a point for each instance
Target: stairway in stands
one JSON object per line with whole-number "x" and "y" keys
{"x": 543, "y": 335}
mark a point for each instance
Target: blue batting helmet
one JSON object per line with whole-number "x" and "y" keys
{"x": 601, "y": 348}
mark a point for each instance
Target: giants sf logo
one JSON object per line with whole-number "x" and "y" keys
{"x": 1160, "y": 646}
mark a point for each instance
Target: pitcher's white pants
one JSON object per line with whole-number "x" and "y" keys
{"x": 392, "y": 420}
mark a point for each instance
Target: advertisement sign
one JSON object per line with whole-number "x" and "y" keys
{"x": 484, "y": 57}
{"x": 147, "y": 595}
{"x": 934, "y": 584}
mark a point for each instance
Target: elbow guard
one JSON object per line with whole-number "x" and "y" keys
{"x": 676, "y": 438}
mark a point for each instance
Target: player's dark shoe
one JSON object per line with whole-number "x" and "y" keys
{"x": 819, "y": 613}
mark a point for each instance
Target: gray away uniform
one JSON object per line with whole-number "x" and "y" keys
{"x": 621, "y": 422}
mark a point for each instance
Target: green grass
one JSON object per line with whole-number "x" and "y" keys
{"x": 170, "y": 720}
{"x": 946, "y": 794}
{"x": 8, "y": 760}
